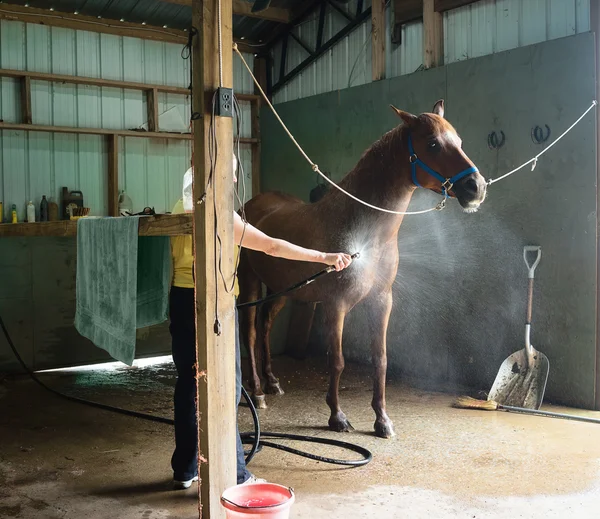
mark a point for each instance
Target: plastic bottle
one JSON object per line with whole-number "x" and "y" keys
{"x": 30, "y": 212}
{"x": 1, "y": 213}
{"x": 14, "y": 214}
{"x": 44, "y": 209}
{"x": 125, "y": 204}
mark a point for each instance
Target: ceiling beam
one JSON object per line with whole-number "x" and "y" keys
{"x": 89, "y": 23}
{"x": 243, "y": 8}
{"x": 298, "y": 14}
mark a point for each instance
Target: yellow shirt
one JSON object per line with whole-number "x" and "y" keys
{"x": 183, "y": 258}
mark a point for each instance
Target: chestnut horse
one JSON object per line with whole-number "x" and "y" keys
{"x": 423, "y": 152}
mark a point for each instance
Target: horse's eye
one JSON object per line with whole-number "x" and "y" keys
{"x": 433, "y": 145}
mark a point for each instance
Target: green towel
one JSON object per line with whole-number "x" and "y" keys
{"x": 122, "y": 283}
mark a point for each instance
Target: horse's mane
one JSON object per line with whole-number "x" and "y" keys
{"x": 373, "y": 163}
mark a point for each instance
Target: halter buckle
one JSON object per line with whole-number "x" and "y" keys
{"x": 441, "y": 205}
{"x": 413, "y": 158}
{"x": 447, "y": 185}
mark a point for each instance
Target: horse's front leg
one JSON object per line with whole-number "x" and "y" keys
{"x": 379, "y": 308}
{"x": 334, "y": 326}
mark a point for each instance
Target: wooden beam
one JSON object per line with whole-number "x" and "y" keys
{"x": 159, "y": 225}
{"x": 90, "y": 23}
{"x": 433, "y": 36}
{"x": 103, "y": 131}
{"x": 152, "y": 108}
{"x": 447, "y": 5}
{"x": 95, "y": 131}
{"x": 113, "y": 175}
{"x": 215, "y": 327}
{"x": 127, "y": 85}
{"x": 80, "y": 80}
{"x": 26, "y": 116}
{"x": 243, "y": 8}
{"x": 378, "y": 39}
{"x": 407, "y": 11}
{"x": 299, "y": 13}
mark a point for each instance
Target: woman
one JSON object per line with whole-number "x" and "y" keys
{"x": 184, "y": 461}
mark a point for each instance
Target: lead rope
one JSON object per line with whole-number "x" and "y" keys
{"x": 439, "y": 206}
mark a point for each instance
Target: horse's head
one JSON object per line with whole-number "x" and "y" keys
{"x": 437, "y": 160}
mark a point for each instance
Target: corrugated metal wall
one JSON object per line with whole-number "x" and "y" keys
{"x": 490, "y": 26}
{"x": 35, "y": 164}
{"x": 478, "y": 29}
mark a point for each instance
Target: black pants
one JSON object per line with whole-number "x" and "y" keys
{"x": 183, "y": 333}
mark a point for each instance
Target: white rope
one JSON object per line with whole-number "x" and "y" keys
{"x": 535, "y": 159}
{"x": 312, "y": 164}
{"x": 437, "y": 207}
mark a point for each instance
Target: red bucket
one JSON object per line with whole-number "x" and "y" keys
{"x": 258, "y": 501}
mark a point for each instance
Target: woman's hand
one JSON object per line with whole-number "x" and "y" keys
{"x": 338, "y": 260}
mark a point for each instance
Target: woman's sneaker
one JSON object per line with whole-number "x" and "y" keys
{"x": 182, "y": 485}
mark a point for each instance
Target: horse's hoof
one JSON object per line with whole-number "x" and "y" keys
{"x": 259, "y": 401}
{"x": 340, "y": 423}
{"x": 274, "y": 389}
{"x": 384, "y": 429}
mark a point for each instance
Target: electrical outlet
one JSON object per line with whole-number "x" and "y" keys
{"x": 225, "y": 102}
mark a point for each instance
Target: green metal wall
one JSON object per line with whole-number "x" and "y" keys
{"x": 460, "y": 294}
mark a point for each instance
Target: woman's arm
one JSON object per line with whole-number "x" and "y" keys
{"x": 258, "y": 240}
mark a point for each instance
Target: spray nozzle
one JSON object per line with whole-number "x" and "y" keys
{"x": 356, "y": 255}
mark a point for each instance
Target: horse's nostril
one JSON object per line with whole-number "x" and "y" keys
{"x": 471, "y": 185}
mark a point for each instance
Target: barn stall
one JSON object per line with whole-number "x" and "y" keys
{"x": 96, "y": 98}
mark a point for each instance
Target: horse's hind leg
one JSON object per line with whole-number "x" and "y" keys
{"x": 268, "y": 314}
{"x": 250, "y": 290}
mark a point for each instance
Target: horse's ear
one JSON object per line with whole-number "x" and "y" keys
{"x": 438, "y": 109}
{"x": 405, "y": 116}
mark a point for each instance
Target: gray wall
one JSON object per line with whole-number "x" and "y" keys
{"x": 459, "y": 299}
{"x": 37, "y": 304}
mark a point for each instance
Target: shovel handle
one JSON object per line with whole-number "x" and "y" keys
{"x": 528, "y": 249}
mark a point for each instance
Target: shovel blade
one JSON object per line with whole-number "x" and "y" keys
{"x": 521, "y": 382}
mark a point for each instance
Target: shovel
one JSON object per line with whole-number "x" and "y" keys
{"x": 521, "y": 380}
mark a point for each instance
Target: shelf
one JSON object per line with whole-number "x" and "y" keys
{"x": 160, "y": 225}
{"x": 105, "y": 131}
{"x": 90, "y": 81}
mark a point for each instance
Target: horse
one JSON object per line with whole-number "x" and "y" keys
{"x": 422, "y": 151}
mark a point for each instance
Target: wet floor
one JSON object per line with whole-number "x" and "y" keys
{"x": 60, "y": 459}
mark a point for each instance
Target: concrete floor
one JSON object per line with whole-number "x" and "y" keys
{"x": 63, "y": 460}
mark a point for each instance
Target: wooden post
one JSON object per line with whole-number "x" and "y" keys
{"x": 214, "y": 306}
{"x": 378, "y": 39}
{"x": 433, "y": 36}
{"x": 113, "y": 174}
{"x": 26, "y": 117}
{"x": 152, "y": 107}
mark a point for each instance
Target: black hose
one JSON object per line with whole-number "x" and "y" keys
{"x": 247, "y": 438}
{"x": 301, "y": 284}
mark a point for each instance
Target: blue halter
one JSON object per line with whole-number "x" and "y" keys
{"x": 447, "y": 183}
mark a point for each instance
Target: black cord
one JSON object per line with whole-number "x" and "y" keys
{"x": 297, "y": 286}
{"x": 253, "y": 438}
